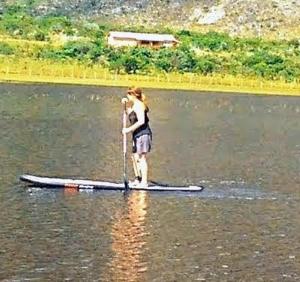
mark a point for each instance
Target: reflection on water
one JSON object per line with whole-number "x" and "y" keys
{"x": 128, "y": 234}
{"x": 244, "y": 226}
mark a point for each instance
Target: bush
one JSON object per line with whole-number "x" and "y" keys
{"x": 186, "y": 60}
{"x": 213, "y": 41}
{"x": 78, "y": 49}
{"x": 18, "y": 24}
{"x": 163, "y": 60}
{"x": 39, "y": 35}
{"x": 13, "y": 9}
{"x": 143, "y": 58}
{"x": 289, "y": 73}
{"x": 131, "y": 64}
{"x": 271, "y": 66}
{"x": 50, "y": 53}
{"x": 267, "y": 58}
{"x": 295, "y": 43}
{"x": 6, "y": 49}
{"x": 97, "y": 50}
{"x": 51, "y": 23}
{"x": 206, "y": 65}
{"x": 114, "y": 59}
{"x": 131, "y": 60}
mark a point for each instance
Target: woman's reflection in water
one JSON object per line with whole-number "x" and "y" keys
{"x": 128, "y": 234}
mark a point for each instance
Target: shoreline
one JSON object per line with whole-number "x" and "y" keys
{"x": 158, "y": 85}
{"x": 30, "y": 71}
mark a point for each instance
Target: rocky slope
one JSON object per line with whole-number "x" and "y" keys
{"x": 266, "y": 18}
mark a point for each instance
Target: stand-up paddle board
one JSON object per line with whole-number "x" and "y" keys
{"x": 51, "y": 182}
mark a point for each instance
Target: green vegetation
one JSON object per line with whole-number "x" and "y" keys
{"x": 204, "y": 54}
{"x": 6, "y": 49}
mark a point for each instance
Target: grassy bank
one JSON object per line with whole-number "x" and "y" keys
{"x": 50, "y": 72}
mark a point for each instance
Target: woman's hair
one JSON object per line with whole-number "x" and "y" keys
{"x": 138, "y": 93}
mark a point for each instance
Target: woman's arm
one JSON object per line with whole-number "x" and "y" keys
{"x": 140, "y": 113}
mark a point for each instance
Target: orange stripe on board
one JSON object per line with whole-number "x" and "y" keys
{"x": 70, "y": 185}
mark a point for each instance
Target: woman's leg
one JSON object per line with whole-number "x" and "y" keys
{"x": 144, "y": 168}
{"x": 136, "y": 166}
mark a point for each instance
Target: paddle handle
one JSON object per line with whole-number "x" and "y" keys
{"x": 125, "y": 149}
{"x": 124, "y": 135}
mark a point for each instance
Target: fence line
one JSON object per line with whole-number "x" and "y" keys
{"x": 41, "y": 70}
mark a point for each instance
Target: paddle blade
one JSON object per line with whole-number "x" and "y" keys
{"x": 126, "y": 185}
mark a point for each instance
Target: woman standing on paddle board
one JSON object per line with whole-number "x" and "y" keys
{"x": 137, "y": 112}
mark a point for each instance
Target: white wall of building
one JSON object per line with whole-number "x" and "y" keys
{"x": 120, "y": 42}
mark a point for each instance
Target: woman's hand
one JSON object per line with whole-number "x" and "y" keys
{"x": 124, "y": 100}
{"x": 125, "y": 130}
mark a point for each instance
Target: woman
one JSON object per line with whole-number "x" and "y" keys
{"x": 141, "y": 134}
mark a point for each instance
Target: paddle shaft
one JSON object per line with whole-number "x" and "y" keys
{"x": 125, "y": 149}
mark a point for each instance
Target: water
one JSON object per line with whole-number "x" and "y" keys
{"x": 244, "y": 226}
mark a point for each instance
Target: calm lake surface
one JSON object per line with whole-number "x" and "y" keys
{"x": 244, "y": 226}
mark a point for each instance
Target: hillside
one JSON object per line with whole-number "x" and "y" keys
{"x": 269, "y": 18}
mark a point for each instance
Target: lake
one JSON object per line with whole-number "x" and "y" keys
{"x": 244, "y": 149}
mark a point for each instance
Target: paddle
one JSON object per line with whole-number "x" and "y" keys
{"x": 125, "y": 150}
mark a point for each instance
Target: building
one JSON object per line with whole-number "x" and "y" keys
{"x": 119, "y": 39}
